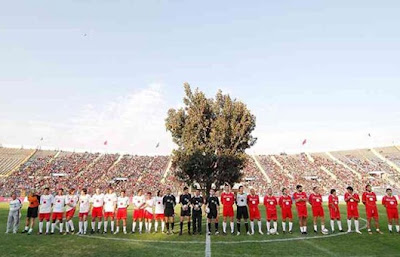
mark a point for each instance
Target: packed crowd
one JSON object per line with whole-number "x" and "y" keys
{"x": 94, "y": 170}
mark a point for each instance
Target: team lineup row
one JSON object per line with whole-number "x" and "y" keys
{"x": 56, "y": 210}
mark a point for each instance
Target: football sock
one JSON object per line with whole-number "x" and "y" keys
{"x": 259, "y": 226}
{"x": 85, "y": 225}
{"x": 390, "y": 227}
{"x": 80, "y": 226}
{"x": 315, "y": 227}
{"x": 216, "y": 226}
{"x": 112, "y": 226}
{"x": 232, "y": 227}
{"x": 276, "y": 226}
{"x": 349, "y": 225}
{"x": 105, "y": 225}
{"x": 162, "y": 226}
{"x": 238, "y": 226}
{"x": 93, "y": 225}
{"x": 140, "y": 226}
{"x": 209, "y": 227}
{"x": 71, "y": 225}
{"x": 283, "y": 226}
{"x": 168, "y": 226}
{"x": 224, "y": 226}
{"x": 172, "y": 226}
{"x": 397, "y": 228}
{"x": 134, "y": 226}
{"x": 67, "y": 227}
{"x": 40, "y": 226}
{"x": 246, "y": 225}
{"x": 98, "y": 225}
{"x": 357, "y": 224}
{"x": 156, "y": 225}
{"x": 339, "y": 223}
{"x": 290, "y": 226}
{"x": 252, "y": 226}
{"x": 47, "y": 226}
{"x": 181, "y": 226}
{"x": 333, "y": 225}
{"x": 268, "y": 223}
{"x": 189, "y": 225}
{"x": 322, "y": 227}
{"x": 149, "y": 227}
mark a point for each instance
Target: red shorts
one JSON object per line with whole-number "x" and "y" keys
{"x": 287, "y": 214}
{"x": 334, "y": 214}
{"x": 57, "y": 216}
{"x": 352, "y": 213}
{"x": 148, "y": 215}
{"x": 83, "y": 214}
{"x": 392, "y": 213}
{"x": 122, "y": 213}
{"x": 44, "y": 216}
{"x": 159, "y": 216}
{"x": 254, "y": 214}
{"x": 271, "y": 215}
{"x": 97, "y": 212}
{"x": 372, "y": 212}
{"x": 318, "y": 211}
{"x": 70, "y": 214}
{"x": 228, "y": 211}
{"x": 302, "y": 211}
{"x": 108, "y": 215}
{"x": 138, "y": 214}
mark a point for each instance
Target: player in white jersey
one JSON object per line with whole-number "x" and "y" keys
{"x": 138, "y": 210}
{"x": 58, "y": 210}
{"x": 46, "y": 202}
{"x": 110, "y": 202}
{"x": 97, "y": 210}
{"x": 242, "y": 210}
{"x": 122, "y": 213}
{"x": 71, "y": 200}
{"x": 159, "y": 212}
{"x": 84, "y": 207}
{"x": 148, "y": 212}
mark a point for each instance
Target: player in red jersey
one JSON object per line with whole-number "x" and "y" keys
{"x": 285, "y": 202}
{"x": 270, "y": 204}
{"x": 369, "y": 200}
{"x": 228, "y": 200}
{"x": 352, "y": 199}
{"x": 253, "y": 201}
{"x": 334, "y": 211}
{"x": 300, "y": 199}
{"x": 390, "y": 203}
{"x": 315, "y": 200}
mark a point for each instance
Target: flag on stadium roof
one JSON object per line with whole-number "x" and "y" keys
{"x": 106, "y": 142}
{"x": 304, "y": 141}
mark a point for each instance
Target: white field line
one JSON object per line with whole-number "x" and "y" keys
{"x": 208, "y": 246}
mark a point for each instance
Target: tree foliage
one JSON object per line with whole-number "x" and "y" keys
{"x": 211, "y": 135}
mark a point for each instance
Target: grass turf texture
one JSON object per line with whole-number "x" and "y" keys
{"x": 175, "y": 245}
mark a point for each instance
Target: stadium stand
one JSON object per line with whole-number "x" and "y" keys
{"x": 38, "y": 168}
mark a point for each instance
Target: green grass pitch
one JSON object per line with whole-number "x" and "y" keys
{"x": 175, "y": 245}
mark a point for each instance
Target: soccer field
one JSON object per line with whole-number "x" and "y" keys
{"x": 174, "y": 245}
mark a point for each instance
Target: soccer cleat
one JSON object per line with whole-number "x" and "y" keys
{"x": 238, "y": 233}
{"x": 349, "y": 231}
{"x": 79, "y": 233}
{"x": 232, "y": 233}
{"x": 358, "y": 232}
{"x": 209, "y": 233}
{"x": 104, "y": 232}
{"x": 92, "y": 231}
{"x": 216, "y": 233}
{"x": 224, "y": 233}
{"x": 370, "y": 232}
{"x": 116, "y": 232}
{"x": 315, "y": 231}
{"x": 276, "y": 233}
{"x": 248, "y": 233}
{"x": 125, "y": 233}
{"x": 260, "y": 232}
{"x": 72, "y": 232}
{"x": 341, "y": 231}
{"x": 189, "y": 233}
{"x": 29, "y": 233}
{"x": 180, "y": 233}
{"x": 98, "y": 231}
{"x": 390, "y": 231}
{"x": 379, "y": 232}
{"x": 290, "y": 232}
{"x": 24, "y": 231}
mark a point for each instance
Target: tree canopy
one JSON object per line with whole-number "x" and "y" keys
{"x": 212, "y": 135}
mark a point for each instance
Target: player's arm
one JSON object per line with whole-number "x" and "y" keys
{"x": 364, "y": 198}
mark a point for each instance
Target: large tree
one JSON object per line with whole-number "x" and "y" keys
{"x": 211, "y": 135}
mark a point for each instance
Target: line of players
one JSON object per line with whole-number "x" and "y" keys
{"x": 160, "y": 209}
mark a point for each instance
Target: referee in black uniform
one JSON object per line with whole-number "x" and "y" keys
{"x": 212, "y": 211}
{"x": 169, "y": 202}
{"x": 197, "y": 203}
{"x": 184, "y": 200}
